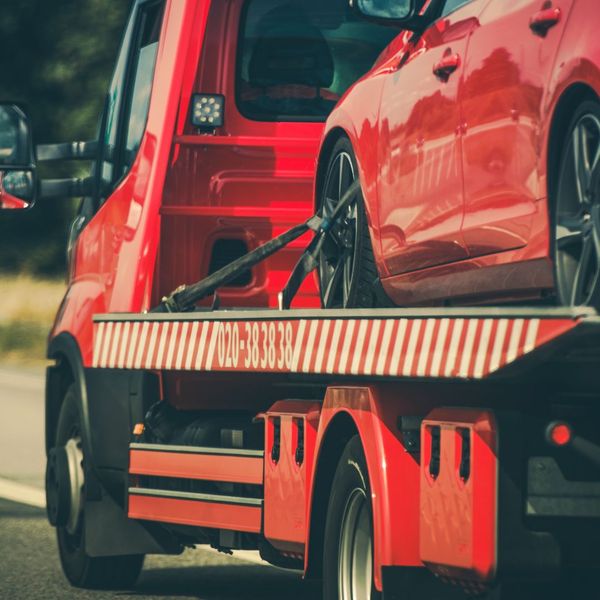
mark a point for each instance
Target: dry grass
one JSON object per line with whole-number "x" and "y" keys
{"x": 27, "y": 310}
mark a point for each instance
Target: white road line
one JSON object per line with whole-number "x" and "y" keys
{"x": 24, "y": 494}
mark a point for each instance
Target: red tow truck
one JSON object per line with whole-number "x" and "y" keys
{"x": 395, "y": 452}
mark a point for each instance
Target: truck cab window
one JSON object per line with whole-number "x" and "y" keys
{"x": 143, "y": 69}
{"x": 297, "y": 57}
{"x": 129, "y": 95}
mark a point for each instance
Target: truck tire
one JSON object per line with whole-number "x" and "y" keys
{"x": 348, "y": 546}
{"x": 110, "y": 572}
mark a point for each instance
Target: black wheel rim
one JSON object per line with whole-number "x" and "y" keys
{"x": 577, "y": 228}
{"x": 337, "y": 257}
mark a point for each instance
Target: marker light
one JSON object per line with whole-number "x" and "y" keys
{"x": 208, "y": 110}
{"x": 559, "y": 433}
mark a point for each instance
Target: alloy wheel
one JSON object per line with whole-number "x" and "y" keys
{"x": 337, "y": 258}
{"x": 577, "y": 228}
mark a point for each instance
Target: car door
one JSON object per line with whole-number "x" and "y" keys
{"x": 420, "y": 187}
{"x": 509, "y": 63}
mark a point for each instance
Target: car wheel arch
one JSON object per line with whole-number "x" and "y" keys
{"x": 564, "y": 107}
{"x": 325, "y": 151}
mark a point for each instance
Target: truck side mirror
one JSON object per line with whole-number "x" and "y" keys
{"x": 18, "y": 177}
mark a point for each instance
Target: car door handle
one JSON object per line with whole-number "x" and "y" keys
{"x": 544, "y": 20}
{"x": 446, "y": 66}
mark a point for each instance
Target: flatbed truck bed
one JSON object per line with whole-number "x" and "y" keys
{"x": 459, "y": 413}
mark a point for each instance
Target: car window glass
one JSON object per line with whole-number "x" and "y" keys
{"x": 297, "y": 57}
{"x": 452, "y": 5}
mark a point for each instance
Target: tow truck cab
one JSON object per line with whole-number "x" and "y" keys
{"x": 208, "y": 146}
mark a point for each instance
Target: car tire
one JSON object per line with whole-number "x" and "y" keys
{"x": 83, "y": 571}
{"x": 348, "y": 544}
{"x": 575, "y": 237}
{"x": 347, "y": 271}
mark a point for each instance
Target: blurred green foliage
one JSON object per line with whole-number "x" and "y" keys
{"x": 56, "y": 58}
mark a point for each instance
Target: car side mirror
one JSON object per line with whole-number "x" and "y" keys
{"x": 18, "y": 177}
{"x": 400, "y": 12}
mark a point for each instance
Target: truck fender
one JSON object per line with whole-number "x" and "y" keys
{"x": 108, "y": 530}
{"x": 69, "y": 367}
{"x": 374, "y": 412}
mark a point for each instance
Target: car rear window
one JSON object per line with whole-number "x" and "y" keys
{"x": 297, "y": 57}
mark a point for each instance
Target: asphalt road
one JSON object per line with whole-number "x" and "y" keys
{"x": 29, "y": 564}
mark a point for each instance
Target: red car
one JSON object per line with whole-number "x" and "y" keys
{"x": 476, "y": 140}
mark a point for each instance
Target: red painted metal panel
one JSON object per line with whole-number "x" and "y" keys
{"x": 458, "y": 514}
{"x": 209, "y": 467}
{"x": 197, "y": 513}
{"x": 287, "y": 479}
{"x": 393, "y": 472}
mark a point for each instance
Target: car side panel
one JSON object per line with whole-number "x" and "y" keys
{"x": 420, "y": 184}
{"x": 508, "y": 67}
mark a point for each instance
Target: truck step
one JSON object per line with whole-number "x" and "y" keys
{"x": 199, "y": 510}
{"x": 230, "y": 465}
{"x": 166, "y": 479}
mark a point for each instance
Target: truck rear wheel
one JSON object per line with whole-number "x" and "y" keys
{"x": 348, "y": 548}
{"x": 65, "y": 490}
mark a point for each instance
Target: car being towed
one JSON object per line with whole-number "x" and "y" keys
{"x": 476, "y": 140}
